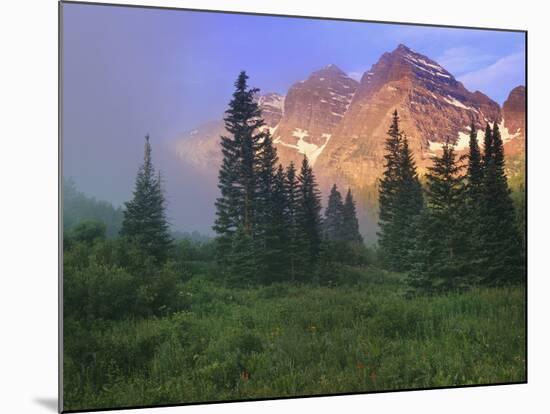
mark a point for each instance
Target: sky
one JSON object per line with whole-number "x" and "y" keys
{"x": 127, "y": 72}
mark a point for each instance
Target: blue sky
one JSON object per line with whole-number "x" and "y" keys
{"x": 131, "y": 71}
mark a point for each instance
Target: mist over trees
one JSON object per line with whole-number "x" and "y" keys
{"x": 77, "y": 207}
{"x": 145, "y": 215}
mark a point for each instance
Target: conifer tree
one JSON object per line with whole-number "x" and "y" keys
{"x": 501, "y": 246}
{"x": 475, "y": 166}
{"x": 279, "y": 239}
{"x": 309, "y": 218}
{"x": 473, "y": 205}
{"x": 400, "y": 200}
{"x": 350, "y": 223}
{"x": 241, "y": 261}
{"x": 409, "y": 203}
{"x": 296, "y": 242}
{"x": 270, "y": 214}
{"x": 237, "y": 175}
{"x": 441, "y": 250}
{"x": 334, "y": 216}
{"x": 388, "y": 189}
{"x": 145, "y": 215}
{"x": 487, "y": 146}
{"x": 237, "y": 178}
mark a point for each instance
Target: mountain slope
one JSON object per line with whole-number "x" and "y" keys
{"x": 340, "y": 124}
{"x": 313, "y": 109}
{"x": 432, "y": 104}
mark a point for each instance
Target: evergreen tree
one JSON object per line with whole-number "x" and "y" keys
{"x": 409, "y": 203}
{"x": 296, "y": 240}
{"x": 388, "y": 190}
{"x": 350, "y": 225}
{"x": 241, "y": 260}
{"x": 501, "y": 244}
{"x": 237, "y": 175}
{"x": 441, "y": 250}
{"x": 309, "y": 218}
{"x": 487, "y": 146}
{"x": 475, "y": 166}
{"x": 473, "y": 203}
{"x": 145, "y": 215}
{"x": 238, "y": 181}
{"x": 334, "y": 216}
{"x": 270, "y": 214}
{"x": 400, "y": 200}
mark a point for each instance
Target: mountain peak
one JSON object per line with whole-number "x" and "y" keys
{"x": 330, "y": 70}
{"x": 402, "y": 48}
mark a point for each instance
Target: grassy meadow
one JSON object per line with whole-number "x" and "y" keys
{"x": 292, "y": 340}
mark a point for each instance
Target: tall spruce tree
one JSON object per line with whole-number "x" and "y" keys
{"x": 296, "y": 240}
{"x": 388, "y": 190}
{"x": 269, "y": 213}
{"x": 473, "y": 205}
{"x": 441, "y": 250}
{"x": 400, "y": 200}
{"x": 309, "y": 214}
{"x": 238, "y": 181}
{"x": 334, "y": 216}
{"x": 409, "y": 203}
{"x": 487, "y": 146}
{"x": 475, "y": 165}
{"x": 145, "y": 215}
{"x": 350, "y": 225}
{"x": 501, "y": 244}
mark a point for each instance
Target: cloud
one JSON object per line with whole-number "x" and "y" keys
{"x": 355, "y": 75}
{"x": 463, "y": 59}
{"x": 507, "y": 70}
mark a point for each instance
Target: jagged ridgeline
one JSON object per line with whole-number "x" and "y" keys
{"x": 340, "y": 124}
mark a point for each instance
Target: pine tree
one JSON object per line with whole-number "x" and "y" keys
{"x": 237, "y": 175}
{"x": 296, "y": 240}
{"x": 280, "y": 224}
{"x": 241, "y": 261}
{"x": 334, "y": 216}
{"x": 400, "y": 200}
{"x": 238, "y": 181}
{"x": 350, "y": 225}
{"x": 409, "y": 203}
{"x": 475, "y": 166}
{"x": 145, "y": 215}
{"x": 487, "y": 146}
{"x": 309, "y": 218}
{"x": 269, "y": 213}
{"x": 441, "y": 254}
{"x": 388, "y": 190}
{"x": 473, "y": 203}
{"x": 501, "y": 245}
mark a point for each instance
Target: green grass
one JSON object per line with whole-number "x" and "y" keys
{"x": 286, "y": 340}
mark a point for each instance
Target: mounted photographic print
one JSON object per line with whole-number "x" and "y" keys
{"x": 260, "y": 206}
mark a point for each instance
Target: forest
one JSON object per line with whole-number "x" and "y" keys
{"x": 287, "y": 299}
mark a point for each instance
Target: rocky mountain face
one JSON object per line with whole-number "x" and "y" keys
{"x": 313, "y": 110}
{"x": 340, "y": 124}
{"x": 200, "y": 147}
{"x": 513, "y": 111}
{"x": 432, "y": 104}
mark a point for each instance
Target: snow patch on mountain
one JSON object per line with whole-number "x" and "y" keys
{"x": 450, "y": 100}
{"x": 463, "y": 140}
{"x": 310, "y": 150}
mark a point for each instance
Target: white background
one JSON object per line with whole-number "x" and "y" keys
{"x": 28, "y": 205}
